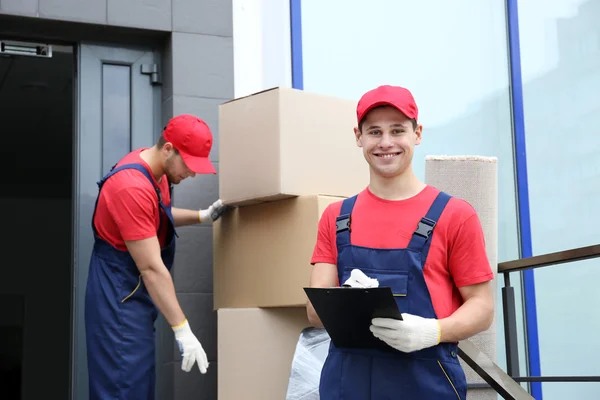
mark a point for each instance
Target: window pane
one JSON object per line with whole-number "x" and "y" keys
{"x": 560, "y": 55}
{"x": 567, "y": 301}
{"x": 453, "y": 56}
{"x": 116, "y": 114}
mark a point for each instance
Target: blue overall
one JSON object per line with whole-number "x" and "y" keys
{"x": 120, "y": 315}
{"x": 362, "y": 374}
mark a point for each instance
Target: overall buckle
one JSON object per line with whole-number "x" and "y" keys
{"x": 342, "y": 223}
{"x": 425, "y": 227}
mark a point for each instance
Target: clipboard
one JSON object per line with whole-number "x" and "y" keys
{"x": 346, "y": 313}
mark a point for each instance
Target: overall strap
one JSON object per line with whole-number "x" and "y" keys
{"x": 135, "y": 166}
{"x": 421, "y": 238}
{"x": 166, "y": 209}
{"x": 342, "y": 222}
{"x": 144, "y": 171}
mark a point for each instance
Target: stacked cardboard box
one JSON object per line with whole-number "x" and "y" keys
{"x": 284, "y": 156}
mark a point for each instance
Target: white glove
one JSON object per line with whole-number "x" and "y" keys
{"x": 190, "y": 348}
{"x": 411, "y": 334}
{"x": 359, "y": 280}
{"x": 214, "y": 212}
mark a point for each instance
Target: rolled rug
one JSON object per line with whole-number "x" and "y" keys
{"x": 474, "y": 179}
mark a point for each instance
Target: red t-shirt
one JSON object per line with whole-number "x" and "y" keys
{"x": 128, "y": 205}
{"x": 457, "y": 255}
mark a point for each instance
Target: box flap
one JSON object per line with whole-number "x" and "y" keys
{"x": 252, "y": 94}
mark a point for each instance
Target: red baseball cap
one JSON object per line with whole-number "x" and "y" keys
{"x": 193, "y": 139}
{"x": 387, "y": 95}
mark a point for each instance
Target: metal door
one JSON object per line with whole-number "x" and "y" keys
{"x": 118, "y": 111}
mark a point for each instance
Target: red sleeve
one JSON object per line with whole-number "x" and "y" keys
{"x": 468, "y": 261}
{"x": 325, "y": 250}
{"x": 133, "y": 210}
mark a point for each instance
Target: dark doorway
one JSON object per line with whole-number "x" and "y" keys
{"x": 36, "y": 115}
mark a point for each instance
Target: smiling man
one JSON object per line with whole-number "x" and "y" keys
{"x": 129, "y": 280}
{"x": 425, "y": 245}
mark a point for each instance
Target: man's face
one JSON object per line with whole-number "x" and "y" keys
{"x": 175, "y": 168}
{"x": 388, "y": 140}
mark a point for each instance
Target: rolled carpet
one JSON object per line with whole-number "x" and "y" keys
{"x": 474, "y": 179}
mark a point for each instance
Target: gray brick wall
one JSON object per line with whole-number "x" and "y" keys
{"x": 197, "y": 72}
{"x": 206, "y": 17}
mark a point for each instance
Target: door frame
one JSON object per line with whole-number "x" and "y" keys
{"x": 88, "y": 169}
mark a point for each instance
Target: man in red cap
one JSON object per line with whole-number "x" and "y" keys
{"x": 129, "y": 280}
{"x": 427, "y": 246}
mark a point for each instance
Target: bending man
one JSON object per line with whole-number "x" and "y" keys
{"x": 129, "y": 280}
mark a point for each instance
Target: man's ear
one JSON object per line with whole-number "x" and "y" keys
{"x": 167, "y": 149}
{"x": 357, "y": 134}
{"x": 419, "y": 133}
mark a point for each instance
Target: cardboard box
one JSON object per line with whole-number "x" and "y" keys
{"x": 284, "y": 142}
{"x": 262, "y": 252}
{"x": 255, "y": 351}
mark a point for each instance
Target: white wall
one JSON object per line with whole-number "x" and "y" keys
{"x": 261, "y": 43}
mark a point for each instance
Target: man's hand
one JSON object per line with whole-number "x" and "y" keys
{"x": 411, "y": 334}
{"x": 190, "y": 348}
{"x": 214, "y": 212}
{"x": 358, "y": 279}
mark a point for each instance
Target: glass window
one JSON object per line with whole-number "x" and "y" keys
{"x": 116, "y": 114}
{"x": 453, "y": 56}
{"x": 560, "y": 57}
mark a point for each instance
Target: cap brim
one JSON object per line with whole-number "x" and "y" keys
{"x": 200, "y": 165}
{"x": 383, "y": 103}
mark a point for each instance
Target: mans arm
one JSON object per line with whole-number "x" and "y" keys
{"x": 156, "y": 276}
{"x": 134, "y": 211}
{"x": 158, "y": 281}
{"x": 474, "y": 316}
{"x": 471, "y": 272}
{"x": 323, "y": 275}
{"x": 415, "y": 333}
{"x": 185, "y": 217}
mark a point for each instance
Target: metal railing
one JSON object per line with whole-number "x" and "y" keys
{"x": 507, "y": 383}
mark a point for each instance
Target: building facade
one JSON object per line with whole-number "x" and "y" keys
{"x": 517, "y": 80}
